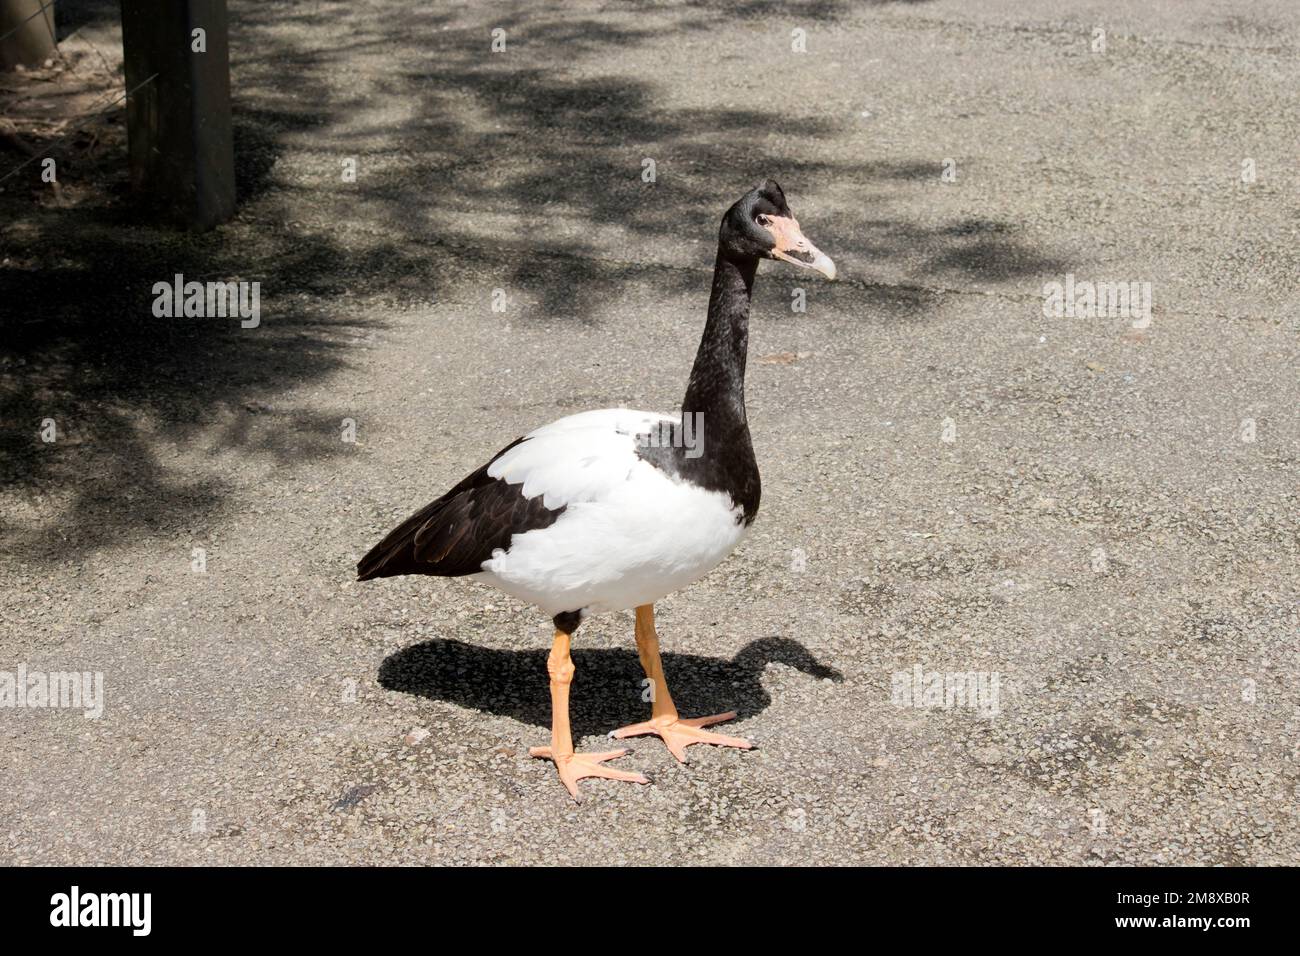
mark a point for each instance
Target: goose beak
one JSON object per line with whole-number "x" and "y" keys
{"x": 793, "y": 246}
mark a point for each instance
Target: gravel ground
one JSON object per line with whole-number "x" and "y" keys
{"x": 1112, "y": 530}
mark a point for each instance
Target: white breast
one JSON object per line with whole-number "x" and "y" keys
{"x": 629, "y": 535}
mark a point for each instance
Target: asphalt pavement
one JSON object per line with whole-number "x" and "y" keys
{"x": 1083, "y": 527}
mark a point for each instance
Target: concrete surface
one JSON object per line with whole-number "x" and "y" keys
{"x": 1101, "y": 534}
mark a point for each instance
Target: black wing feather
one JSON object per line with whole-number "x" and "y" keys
{"x": 457, "y": 533}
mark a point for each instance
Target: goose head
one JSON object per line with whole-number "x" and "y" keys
{"x": 761, "y": 225}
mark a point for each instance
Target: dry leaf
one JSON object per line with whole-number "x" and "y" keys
{"x": 783, "y": 358}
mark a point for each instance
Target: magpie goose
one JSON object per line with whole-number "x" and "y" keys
{"x": 612, "y": 510}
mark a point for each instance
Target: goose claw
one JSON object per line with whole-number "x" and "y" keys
{"x": 679, "y": 733}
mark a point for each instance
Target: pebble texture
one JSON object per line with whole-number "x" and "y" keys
{"x": 1112, "y": 531}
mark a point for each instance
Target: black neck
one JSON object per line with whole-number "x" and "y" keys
{"x": 720, "y": 456}
{"x": 717, "y": 384}
{"x": 714, "y": 407}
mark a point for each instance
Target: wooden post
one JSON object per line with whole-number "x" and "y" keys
{"x": 178, "y": 109}
{"x": 30, "y": 32}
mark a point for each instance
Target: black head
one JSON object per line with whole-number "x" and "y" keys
{"x": 761, "y": 225}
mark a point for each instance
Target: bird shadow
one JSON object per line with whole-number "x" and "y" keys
{"x": 609, "y": 687}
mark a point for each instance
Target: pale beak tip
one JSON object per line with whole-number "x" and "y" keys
{"x": 825, "y": 266}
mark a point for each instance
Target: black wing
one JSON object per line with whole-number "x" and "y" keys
{"x": 457, "y": 533}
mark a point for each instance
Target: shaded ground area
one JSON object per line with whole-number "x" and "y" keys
{"x": 1113, "y": 529}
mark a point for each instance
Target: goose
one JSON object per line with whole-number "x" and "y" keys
{"x": 612, "y": 510}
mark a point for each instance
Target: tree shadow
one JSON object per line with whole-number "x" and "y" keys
{"x": 72, "y": 15}
{"x": 608, "y": 684}
{"x": 122, "y": 388}
{"x": 525, "y": 167}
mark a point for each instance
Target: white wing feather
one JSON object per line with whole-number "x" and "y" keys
{"x": 581, "y": 457}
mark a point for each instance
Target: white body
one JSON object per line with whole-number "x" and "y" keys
{"x": 630, "y": 533}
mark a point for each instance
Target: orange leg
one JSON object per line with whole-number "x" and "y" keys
{"x": 572, "y": 766}
{"x": 677, "y": 733}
